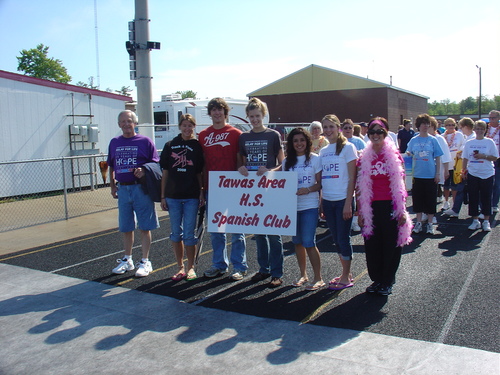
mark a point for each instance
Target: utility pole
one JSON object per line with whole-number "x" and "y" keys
{"x": 138, "y": 48}
{"x": 479, "y": 100}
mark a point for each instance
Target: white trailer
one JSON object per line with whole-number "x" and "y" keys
{"x": 171, "y": 107}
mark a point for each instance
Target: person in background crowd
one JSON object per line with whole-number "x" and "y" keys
{"x": 466, "y": 126}
{"x": 220, "y": 146}
{"x": 455, "y": 142}
{"x": 338, "y": 175}
{"x": 300, "y": 159}
{"x": 446, "y": 160}
{"x": 182, "y": 162}
{"x": 426, "y": 154}
{"x": 357, "y": 131}
{"x": 127, "y": 155}
{"x": 381, "y": 193}
{"x": 493, "y": 133}
{"x": 348, "y": 132}
{"x": 260, "y": 150}
{"x": 404, "y": 135}
{"x": 364, "y": 131}
{"x": 318, "y": 141}
{"x": 478, "y": 168}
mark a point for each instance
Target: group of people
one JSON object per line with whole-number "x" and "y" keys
{"x": 461, "y": 160}
{"x": 337, "y": 177}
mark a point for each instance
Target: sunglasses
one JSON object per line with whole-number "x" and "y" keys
{"x": 378, "y": 131}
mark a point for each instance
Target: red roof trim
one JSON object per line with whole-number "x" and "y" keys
{"x": 62, "y": 86}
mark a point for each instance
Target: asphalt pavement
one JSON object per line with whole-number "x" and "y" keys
{"x": 441, "y": 318}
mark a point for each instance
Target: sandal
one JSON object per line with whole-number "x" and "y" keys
{"x": 191, "y": 276}
{"x": 316, "y": 285}
{"x": 335, "y": 280}
{"x": 300, "y": 282}
{"x": 340, "y": 286}
{"x": 179, "y": 276}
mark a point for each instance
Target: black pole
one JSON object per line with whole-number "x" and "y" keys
{"x": 479, "y": 100}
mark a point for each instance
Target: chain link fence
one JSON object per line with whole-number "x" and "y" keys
{"x": 41, "y": 191}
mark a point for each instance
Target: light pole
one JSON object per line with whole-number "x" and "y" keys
{"x": 479, "y": 101}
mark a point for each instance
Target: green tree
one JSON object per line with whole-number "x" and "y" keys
{"x": 187, "y": 94}
{"x": 468, "y": 106}
{"x": 124, "y": 90}
{"x": 36, "y": 63}
{"x": 89, "y": 85}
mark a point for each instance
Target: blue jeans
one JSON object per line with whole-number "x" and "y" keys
{"x": 307, "y": 221}
{"x": 183, "y": 213}
{"x": 459, "y": 198}
{"x": 238, "y": 253}
{"x": 270, "y": 254}
{"x": 339, "y": 228}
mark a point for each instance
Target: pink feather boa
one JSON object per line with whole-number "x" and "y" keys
{"x": 389, "y": 156}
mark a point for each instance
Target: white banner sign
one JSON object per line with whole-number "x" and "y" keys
{"x": 264, "y": 204}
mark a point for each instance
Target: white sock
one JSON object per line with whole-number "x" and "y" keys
{"x": 144, "y": 260}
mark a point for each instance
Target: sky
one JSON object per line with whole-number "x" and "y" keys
{"x": 231, "y": 48}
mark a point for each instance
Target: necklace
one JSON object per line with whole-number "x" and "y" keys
{"x": 492, "y": 136}
{"x": 451, "y": 140}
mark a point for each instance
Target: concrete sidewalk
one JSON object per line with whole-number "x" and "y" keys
{"x": 54, "y": 324}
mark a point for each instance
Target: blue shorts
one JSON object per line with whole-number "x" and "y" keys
{"x": 134, "y": 204}
{"x": 307, "y": 221}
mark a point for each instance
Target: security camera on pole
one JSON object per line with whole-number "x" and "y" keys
{"x": 138, "y": 48}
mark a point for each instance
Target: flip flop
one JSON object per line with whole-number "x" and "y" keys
{"x": 179, "y": 276}
{"x": 191, "y": 276}
{"x": 339, "y": 286}
{"x": 300, "y": 282}
{"x": 316, "y": 285}
{"x": 335, "y": 280}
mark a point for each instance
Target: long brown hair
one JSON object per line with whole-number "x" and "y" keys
{"x": 291, "y": 154}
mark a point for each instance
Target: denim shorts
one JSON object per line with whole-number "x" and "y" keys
{"x": 183, "y": 214}
{"x": 307, "y": 221}
{"x": 134, "y": 204}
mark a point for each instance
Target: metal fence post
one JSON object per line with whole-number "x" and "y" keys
{"x": 91, "y": 172}
{"x": 66, "y": 211}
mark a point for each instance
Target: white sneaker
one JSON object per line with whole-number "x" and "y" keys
{"x": 238, "y": 275}
{"x": 450, "y": 213}
{"x": 494, "y": 209}
{"x": 475, "y": 225}
{"x": 424, "y": 218}
{"x": 418, "y": 227}
{"x": 143, "y": 269}
{"x": 123, "y": 266}
{"x": 446, "y": 205}
{"x": 486, "y": 226}
{"x": 481, "y": 216}
{"x": 429, "y": 228}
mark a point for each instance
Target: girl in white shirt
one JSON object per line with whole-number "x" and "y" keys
{"x": 338, "y": 161}
{"x": 300, "y": 159}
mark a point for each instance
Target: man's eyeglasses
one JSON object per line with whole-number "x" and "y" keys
{"x": 378, "y": 131}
